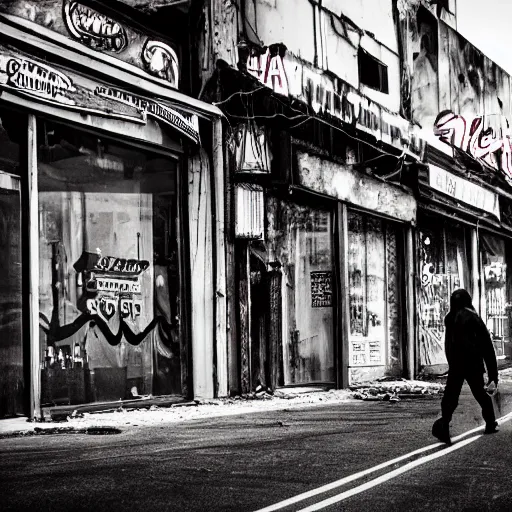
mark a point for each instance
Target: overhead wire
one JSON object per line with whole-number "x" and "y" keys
{"x": 249, "y": 107}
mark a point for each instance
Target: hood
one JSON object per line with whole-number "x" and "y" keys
{"x": 460, "y": 299}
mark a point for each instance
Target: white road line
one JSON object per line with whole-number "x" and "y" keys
{"x": 356, "y": 476}
{"x": 388, "y": 476}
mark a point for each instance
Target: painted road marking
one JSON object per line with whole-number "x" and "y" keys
{"x": 361, "y": 474}
{"x": 388, "y": 476}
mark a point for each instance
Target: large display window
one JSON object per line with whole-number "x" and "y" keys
{"x": 443, "y": 267}
{"x": 374, "y": 297}
{"x": 496, "y": 284}
{"x": 300, "y": 238}
{"x": 109, "y": 269}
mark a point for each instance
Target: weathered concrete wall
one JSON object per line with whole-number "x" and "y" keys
{"x": 323, "y": 36}
{"x": 456, "y": 77}
{"x": 290, "y": 23}
{"x": 375, "y": 17}
{"x": 349, "y": 185}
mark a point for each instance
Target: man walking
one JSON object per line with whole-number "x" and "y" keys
{"x": 468, "y": 345}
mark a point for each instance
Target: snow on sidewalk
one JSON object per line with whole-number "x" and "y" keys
{"x": 118, "y": 418}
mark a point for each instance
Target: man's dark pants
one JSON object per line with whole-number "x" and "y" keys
{"x": 453, "y": 388}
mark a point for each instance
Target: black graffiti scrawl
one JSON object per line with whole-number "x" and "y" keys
{"x": 110, "y": 286}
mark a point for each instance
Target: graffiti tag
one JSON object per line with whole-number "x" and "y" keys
{"x": 269, "y": 70}
{"x": 94, "y": 29}
{"x": 38, "y": 79}
{"x": 471, "y": 136}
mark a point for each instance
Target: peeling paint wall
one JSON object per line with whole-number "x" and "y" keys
{"x": 457, "y": 78}
{"x": 346, "y": 184}
{"x": 328, "y": 37}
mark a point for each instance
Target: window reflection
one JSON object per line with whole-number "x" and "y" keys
{"x": 374, "y": 310}
{"x": 300, "y": 238}
{"x": 443, "y": 268}
{"x": 109, "y": 280}
{"x": 12, "y": 383}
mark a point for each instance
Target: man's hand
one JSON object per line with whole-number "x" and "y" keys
{"x": 492, "y": 386}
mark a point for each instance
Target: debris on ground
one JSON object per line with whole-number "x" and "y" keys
{"x": 396, "y": 390}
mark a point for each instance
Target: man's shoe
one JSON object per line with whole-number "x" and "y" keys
{"x": 491, "y": 428}
{"x": 441, "y": 430}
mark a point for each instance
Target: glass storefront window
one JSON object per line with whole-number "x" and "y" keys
{"x": 109, "y": 273}
{"x": 374, "y": 293}
{"x": 443, "y": 268}
{"x": 496, "y": 285}
{"x": 13, "y": 130}
{"x": 300, "y": 241}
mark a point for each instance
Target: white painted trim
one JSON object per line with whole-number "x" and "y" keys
{"x": 63, "y": 47}
{"x": 9, "y": 181}
{"x": 33, "y": 271}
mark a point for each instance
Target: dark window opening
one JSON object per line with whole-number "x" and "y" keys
{"x": 372, "y": 73}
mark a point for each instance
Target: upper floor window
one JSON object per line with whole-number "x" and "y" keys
{"x": 372, "y": 72}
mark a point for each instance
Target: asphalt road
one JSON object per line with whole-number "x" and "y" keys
{"x": 250, "y": 462}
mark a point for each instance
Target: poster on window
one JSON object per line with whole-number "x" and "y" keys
{"x": 366, "y": 353}
{"x": 321, "y": 289}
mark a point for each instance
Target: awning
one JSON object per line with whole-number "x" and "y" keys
{"x": 98, "y": 64}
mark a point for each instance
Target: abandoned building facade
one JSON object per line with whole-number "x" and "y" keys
{"x": 198, "y": 198}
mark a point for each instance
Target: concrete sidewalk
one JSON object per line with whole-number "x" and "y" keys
{"x": 123, "y": 415}
{"x": 116, "y": 416}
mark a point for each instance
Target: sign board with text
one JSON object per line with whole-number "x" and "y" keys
{"x": 463, "y": 190}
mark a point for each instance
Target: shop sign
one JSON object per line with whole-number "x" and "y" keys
{"x": 464, "y": 190}
{"x": 346, "y": 184}
{"x": 93, "y": 28}
{"x": 50, "y": 84}
{"x": 112, "y": 34}
{"x": 111, "y": 284}
{"x": 327, "y": 94}
{"x": 35, "y": 78}
{"x": 321, "y": 289}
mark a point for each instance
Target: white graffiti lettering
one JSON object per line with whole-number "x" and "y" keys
{"x": 269, "y": 70}
{"x": 93, "y": 28}
{"x": 38, "y": 79}
{"x": 117, "y": 285}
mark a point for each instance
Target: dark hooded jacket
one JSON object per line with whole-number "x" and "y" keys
{"x": 467, "y": 341}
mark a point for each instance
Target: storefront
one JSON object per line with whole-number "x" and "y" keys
{"x": 329, "y": 283}
{"x": 496, "y": 289}
{"x": 443, "y": 249}
{"x": 462, "y": 242}
{"x": 300, "y": 241}
{"x": 106, "y": 232}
